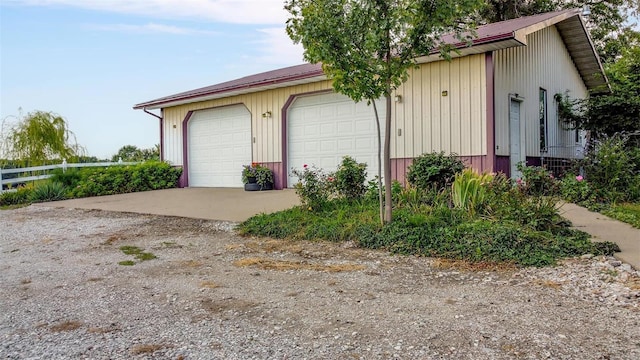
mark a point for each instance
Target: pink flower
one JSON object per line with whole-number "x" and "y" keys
{"x": 304, "y": 166}
{"x": 551, "y": 176}
{"x": 329, "y": 179}
{"x": 579, "y": 178}
{"x": 519, "y": 181}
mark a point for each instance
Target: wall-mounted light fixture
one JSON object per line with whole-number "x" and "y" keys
{"x": 266, "y": 115}
{"x": 445, "y": 93}
{"x": 398, "y": 98}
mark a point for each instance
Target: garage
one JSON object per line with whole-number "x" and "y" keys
{"x": 219, "y": 143}
{"x": 321, "y": 129}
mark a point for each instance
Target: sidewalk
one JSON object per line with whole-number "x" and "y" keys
{"x": 603, "y": 228}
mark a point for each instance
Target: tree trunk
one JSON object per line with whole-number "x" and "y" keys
{"x": 387, "y": 162}
{"x": 380, "y": 197}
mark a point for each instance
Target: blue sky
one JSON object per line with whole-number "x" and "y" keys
{"x": 90, "y": 61}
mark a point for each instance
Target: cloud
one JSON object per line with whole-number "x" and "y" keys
{"x": 276, "y": 47}
{"x": 150, "y": 28}
{"x": 226, "y": 11}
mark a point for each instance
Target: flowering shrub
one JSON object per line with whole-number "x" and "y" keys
{"x": 575, "y": 189}
{"x": 313, "y": 187}
{"x": 536, "y": 181}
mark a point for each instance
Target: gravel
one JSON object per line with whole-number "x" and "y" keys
{"x": 211, "y": 294}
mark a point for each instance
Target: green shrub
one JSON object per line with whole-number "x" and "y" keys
{"x": 111, "y": 180}
{"x": 313, "y": 187}
{"x": 575, "y": 189}
{"x": 69, "y": 178}
{"x": 48, "y": 191}
{"x": 469, "y": 190}
{"x": 536, "y": 212}
{"x": 613, "y": 167}
{"x": 434, "y": 170}
{"x": 22, "y": 195}
{"x": 349, "y": 180}
{"x": 537, "y": 181}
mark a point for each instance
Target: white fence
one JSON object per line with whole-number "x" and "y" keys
{"x": 46, "y": 168}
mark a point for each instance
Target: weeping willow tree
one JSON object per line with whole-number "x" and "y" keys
{"x": 39, "y": 137}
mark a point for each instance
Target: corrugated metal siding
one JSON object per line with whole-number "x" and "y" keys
{"x": 267, "y": 132}
{"x": 428, "y": 121}
{"x": 543, "y": 63}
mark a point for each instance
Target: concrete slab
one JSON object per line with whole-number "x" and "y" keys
{"x": 603, "y": 228}
{"x": 201, "y": 203}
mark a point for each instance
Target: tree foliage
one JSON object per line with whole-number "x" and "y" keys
{"x": 367, "y": 46}
{"x": 606, "y": 114}
{"x": 133, "y": 153}
{"x": 40, "y": 136}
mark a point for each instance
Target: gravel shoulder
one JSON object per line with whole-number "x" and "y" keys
{"x": 210, "y": 294}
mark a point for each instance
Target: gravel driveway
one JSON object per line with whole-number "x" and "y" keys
{"x": 210, "y": 294}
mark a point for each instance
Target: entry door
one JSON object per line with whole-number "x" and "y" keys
{"x": 515, "y": 139}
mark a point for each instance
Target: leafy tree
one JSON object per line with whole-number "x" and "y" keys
{"x": 133, "y": 153}
{"x": 40, "y": 136}
{"x": 618, "y": 111}
{"x": 367, "y": 46}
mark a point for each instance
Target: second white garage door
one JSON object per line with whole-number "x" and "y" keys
{"x": 321, "y": 129}
{"x": 219, "y": 144}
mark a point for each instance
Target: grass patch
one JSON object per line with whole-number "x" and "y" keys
{"x": 130, "y": 250}
{"x": 137, "y": 252}
{"x": 13, "y": 207}
{"x": 282, "y": 265}
{"x": 628, "y": 213}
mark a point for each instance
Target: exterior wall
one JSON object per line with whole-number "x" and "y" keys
{"x": 543, "y": 63}
{"x": 425, "y": 120}
{"x": 266, "y": 133}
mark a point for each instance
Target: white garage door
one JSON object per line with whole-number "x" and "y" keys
{"x": 219, "y": 144}
{"x": 324, "y": 128}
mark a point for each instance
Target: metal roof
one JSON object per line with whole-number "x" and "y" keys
{"x": 489, "y": 37}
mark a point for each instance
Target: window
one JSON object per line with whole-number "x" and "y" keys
{"x": 543, "y": 119}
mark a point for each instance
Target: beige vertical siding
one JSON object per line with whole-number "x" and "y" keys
{"x": 267, "y": 133}
{"x": 543, "y": 63}
{"x": 429, "y": 121}
{"x": 423, "y": 121}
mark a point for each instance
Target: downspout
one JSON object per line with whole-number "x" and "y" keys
{"x": 161, "y": 130}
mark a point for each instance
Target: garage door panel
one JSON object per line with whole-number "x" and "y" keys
{"x": 219, "y": 144}
{"x": 324, "y": 128}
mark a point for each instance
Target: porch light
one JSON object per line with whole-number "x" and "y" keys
{"x": 266, "y": 115}
{"x": 398, "y": 98}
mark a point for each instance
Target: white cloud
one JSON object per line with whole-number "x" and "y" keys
{"x": 276, "y": 47}
{"x": 226, "y": 11}
{"x": 150, "y": 28}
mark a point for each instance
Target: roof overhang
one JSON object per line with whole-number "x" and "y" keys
{"x": 154, "y": 104}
